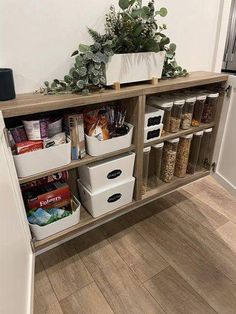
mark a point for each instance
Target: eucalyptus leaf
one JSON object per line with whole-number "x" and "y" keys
{"x": 124, "y": 4}
{"x": 74, "y": 53}
{"x": 83, "y": 48}
{"x": 46, "y": 83}
{"x": 162, "y": 12}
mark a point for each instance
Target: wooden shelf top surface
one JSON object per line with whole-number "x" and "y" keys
{"x": 34, "y": 103}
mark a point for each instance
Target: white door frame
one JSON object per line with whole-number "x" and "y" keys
{"x": 223, "y": 19}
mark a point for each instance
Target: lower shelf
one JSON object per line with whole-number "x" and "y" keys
{"x": 87, "y": 222}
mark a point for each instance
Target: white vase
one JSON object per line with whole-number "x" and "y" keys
{"x": 134, "y": 67}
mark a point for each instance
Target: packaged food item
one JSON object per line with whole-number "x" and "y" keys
{"x": 56, "y": 140}
{"x": 59, "y": 176}
{"x": 146, "y": 154}
{"x": 203, "y": 157}
{"x": 18, "y": 134}
{"x": 209, "y": 109}
{"x": 42, "y": 217}
{"x": 198, "y": 109}
{"x": 28, "y": 146}
{"x": 36, "y": 129}
{"x": 176, "y": 114}
{"x": 54, "y": 126}
{"x": 187, "y": 113}
{"x": 75, "y": 130}
{"x": 182, "y": 155}
{"x": 157, "y": 150}
{"x": 194, "y": 152}
{"x": 48, "y": 196}
{"x": 168, "y": 159}
{"x": 96, "y": 124}
{"x": 165, "y": 104}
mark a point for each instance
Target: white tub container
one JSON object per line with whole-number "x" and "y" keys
{"x": 103, "y": 174}
{"x": 42, "y": 160}
{"x": 97, "y": 148}
{"x": 42, "y": 232}
{"x": 134, "y": 67}
{"x": 153, "y": 116}
{"x": 152, "y": 133}
{"x": 99, "y": 203}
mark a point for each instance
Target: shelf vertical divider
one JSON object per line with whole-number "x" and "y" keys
{"x": 137, "y": 119}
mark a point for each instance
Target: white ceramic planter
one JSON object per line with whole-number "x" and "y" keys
{"x": 134, "y": 67}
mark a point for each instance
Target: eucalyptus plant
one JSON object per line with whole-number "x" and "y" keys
{"x": 132, "y": 29}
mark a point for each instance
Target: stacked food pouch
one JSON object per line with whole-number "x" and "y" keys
{"x": 106, "y": 122}
{"x": 35, "y": 134}
{"x": 47, "y": 199}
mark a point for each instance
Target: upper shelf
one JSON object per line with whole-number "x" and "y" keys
{"x": 35, "y": 103}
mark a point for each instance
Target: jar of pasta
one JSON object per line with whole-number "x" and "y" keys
{"x": 187, "y": 113}
{"x": 176, "y": 114}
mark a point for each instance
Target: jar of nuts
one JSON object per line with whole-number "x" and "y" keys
{"x": 176, "y": 113}
{"x": 182, "y": 155}
{"x": 168, "y": 159}
{"x": 187, "y": 113}
{"x": 194, "y": 152}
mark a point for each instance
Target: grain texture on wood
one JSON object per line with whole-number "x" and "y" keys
{"x": 227, "y": 233}
{"x": 65, "y": 270}
{"x": 175, "y": 295}
{"x": 88, "y": 300}
{"x": 206, "y": 280}
{"x": 33, "y": 103}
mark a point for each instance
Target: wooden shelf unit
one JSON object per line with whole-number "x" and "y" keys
{"x": 135, "y": 98}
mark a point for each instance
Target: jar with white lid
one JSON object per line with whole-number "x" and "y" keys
{"x": 194, "y": 152}
{"x": 164, "y": 104}
{"x": 182, "y": 155}
{"x": 176, "y": 114}
{"x": 187, "y": 113}
{"x": 146, "y": 155}
{"x": 168, "y": 159}
{"x": 209, "y": 109}
{"x": 203, "y": 158}
{"x": 198, "y": 109}
{"x": 157, "y": 151}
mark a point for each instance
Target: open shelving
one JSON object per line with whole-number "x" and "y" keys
{"x": 134, "y": 96}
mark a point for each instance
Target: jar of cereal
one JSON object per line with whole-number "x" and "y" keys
{"x": 168, "y": 159}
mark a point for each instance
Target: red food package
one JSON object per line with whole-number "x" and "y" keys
{"x": 28, "y": 146}
{"x": 48, "y": 195}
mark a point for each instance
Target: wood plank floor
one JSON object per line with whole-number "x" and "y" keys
{"x": 175, "y": 255}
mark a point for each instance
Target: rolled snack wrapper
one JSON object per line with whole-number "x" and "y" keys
{"x": 57, "y": 139}
{"x": 36, "y": 129}
{"x": 28, "y": 146}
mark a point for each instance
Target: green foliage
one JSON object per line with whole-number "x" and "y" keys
{"x": 133, "y": 29}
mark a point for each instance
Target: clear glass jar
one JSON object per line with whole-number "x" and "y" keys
{"x": 182, "y": 155}
{"x": 203, "y": 157}
{"x": 209, "y": 109}
{"x": 187, "y": 113}
{"x": 157, "y": 151}
{"x": 176, "y": 114}
{"x": 198, "y": 109}
{"x": 194, "y": 152}
{"x": 146, "y": 155}
{"x": 168, "y": 159}
{"x": 163, "y": 104}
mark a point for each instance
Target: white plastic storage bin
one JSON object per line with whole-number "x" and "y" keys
{"x": 152, "y": 133}
{"x": 101, "y": 202}
{"x": 153, "y": 116}
{"x": 42, "y": 160}
{"x": 42, "y": 232}
{"x": 97, "y": 148}
{"x": 102, "y": 174}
